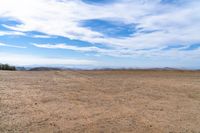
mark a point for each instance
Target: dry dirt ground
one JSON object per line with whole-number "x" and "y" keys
{"x": 100, "y": 101}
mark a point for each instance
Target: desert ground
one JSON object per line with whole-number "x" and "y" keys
{"x": 100, "y": 101}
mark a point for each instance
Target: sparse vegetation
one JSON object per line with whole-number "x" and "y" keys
{"x": 7, "y": 67}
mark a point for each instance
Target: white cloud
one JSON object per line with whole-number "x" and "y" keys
{"x": 120, "y": 52}
{"x": 173, "y": 24}
{"x": 102, "y": 51}
{"x": 70, "y": 47}
{"x": 27, "y": 60}
{"x": 13, "y": 46}
{"x": 41, "y": 36}
{"x": 5, "y": 33}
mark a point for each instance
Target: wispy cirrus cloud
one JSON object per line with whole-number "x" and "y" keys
{"x": 191, "y": 51}
{"x": 27, "y": 60}
{"x": 12, "y": 46}
{"x": 69, "y": 47}
{"x": 11, "y": 33}
{"x": 41, "y": 36}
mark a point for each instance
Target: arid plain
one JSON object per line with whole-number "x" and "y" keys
{"x": 100, "y": 101}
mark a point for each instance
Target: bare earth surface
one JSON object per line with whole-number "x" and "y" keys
{"x": 100, "y": 101}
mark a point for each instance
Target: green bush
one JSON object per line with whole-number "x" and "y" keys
{"x": 7, "y": 67}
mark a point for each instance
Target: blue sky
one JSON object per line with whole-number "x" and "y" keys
{"x": 100, "y": 33}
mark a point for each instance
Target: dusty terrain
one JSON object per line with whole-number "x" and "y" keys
{"x": 100, "y": 101}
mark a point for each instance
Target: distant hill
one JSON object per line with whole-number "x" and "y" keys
{"x": 165, "y": 68}
{"x": 21, "y": 69}
{"x": 44, "y": 69}
{"x": 51, "y": 68}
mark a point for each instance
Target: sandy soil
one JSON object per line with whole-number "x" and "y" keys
{"x": 100, "y": 101}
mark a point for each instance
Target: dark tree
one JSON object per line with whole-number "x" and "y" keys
{"x": 7, "y": 67}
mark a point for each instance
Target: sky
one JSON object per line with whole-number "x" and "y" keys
{"x": 100, "y": 33}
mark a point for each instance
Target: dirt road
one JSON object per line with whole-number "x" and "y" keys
{"x": 100, "y": 101}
